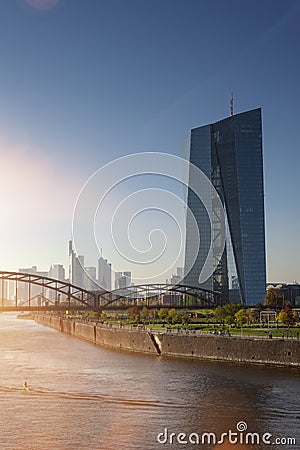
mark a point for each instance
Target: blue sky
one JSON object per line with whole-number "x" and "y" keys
{"x": 83, "y": 82}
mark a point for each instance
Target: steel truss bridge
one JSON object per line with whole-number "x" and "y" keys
{"x": 33, "y": 292}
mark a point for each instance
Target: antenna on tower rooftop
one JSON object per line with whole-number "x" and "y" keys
{"x": 231, "y": 104}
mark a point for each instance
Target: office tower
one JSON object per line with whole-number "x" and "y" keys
{"x": 229, "y": 152}
{"x": 25, "y": 291}
{"x": 57, "y": 271}
{"x": 76, "y": 268}
{"x": 104, "y": 273}
{"x": 90, "y": 279}
{"x": 127, "y": 275}
{"x": 118, "y": 275}
{"x": 179, "y": 272}
{"x": 123, "y": 280}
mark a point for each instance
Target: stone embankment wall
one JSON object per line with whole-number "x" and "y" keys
{"x": 251, "y": 350}
{"x": 132, "y": 340}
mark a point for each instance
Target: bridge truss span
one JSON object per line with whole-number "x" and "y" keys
{"x": 41, "y": 292}
{"x": 65, "y": 294}
{"x": 159, "y": 295}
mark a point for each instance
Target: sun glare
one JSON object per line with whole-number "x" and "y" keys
{"x": 42, "y": 5}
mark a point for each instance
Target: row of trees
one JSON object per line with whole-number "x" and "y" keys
{"x": 235, "y": 313}
{"x": 170, "y": 316}
{"x": 274, "y": 298}
{"x": 227, "y": 314}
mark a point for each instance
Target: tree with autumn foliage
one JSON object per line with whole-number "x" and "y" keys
{"x": 286, "y": 316}
{"x": 144, "y": 314}
{"x": 162, "y": 314}
{"x": 172, "y": 316}
{"x": 226, "y": 313}
{"x": 274, "y": 298}
{"x": 134, "y": 314}
{"x": 241, "y": 317}
{"x": 283, "y": 317}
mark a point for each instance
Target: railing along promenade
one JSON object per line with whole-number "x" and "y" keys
{"x": 183, "y": 331}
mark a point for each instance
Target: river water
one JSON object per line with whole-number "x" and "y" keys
{"x": 83, "y": 396}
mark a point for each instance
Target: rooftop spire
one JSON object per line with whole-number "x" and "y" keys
{"x": 231, "y": 104}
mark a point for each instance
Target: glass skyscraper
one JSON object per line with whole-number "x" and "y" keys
{"x": 229, "y": 152}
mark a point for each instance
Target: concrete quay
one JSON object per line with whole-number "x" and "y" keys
{"x": 280, "y": 352}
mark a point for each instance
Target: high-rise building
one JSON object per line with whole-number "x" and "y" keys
{"x": 123, "y": 280}
{"x": 57, "y": 271}
{"x": 77, "y": 274}
{"x": 127, "y": 275}
{"x": 90, "y": 279}
{"x": 180, "y": 272}
{"x": 229, "y": 153}
{"x": 104, "y": 273}
{"x": 24, "y": 291}
{"x": 118, "y": 275}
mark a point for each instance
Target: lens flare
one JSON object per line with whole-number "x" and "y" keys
{"x": 42, "y": 5}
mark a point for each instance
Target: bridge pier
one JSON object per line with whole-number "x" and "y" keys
{"x": 16, "y": 293}
{"x": 29, "y": 293}
{"x": 2, "y": 291}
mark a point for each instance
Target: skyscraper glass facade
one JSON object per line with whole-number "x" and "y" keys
{"x": 229, "y": 152}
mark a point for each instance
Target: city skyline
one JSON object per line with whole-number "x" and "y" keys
{"x": 100, "y": 276}
{"x": 137, "y": 81}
